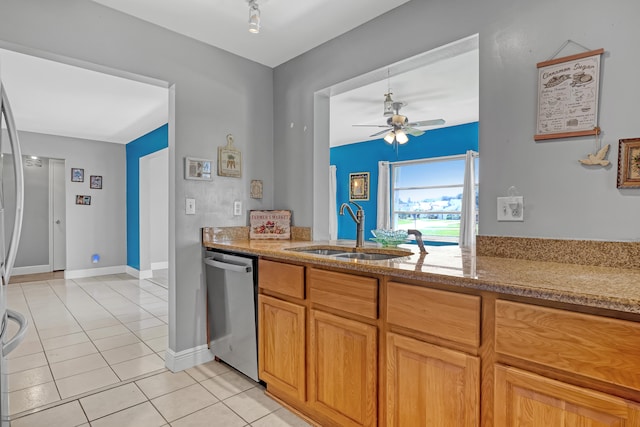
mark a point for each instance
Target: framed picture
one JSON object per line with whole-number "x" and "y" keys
{"x": 77, "y": 175}
{"x": 568, "y": 96}
{"x": 229, "y": 160}
{"x": 629, "y": 163}
{"x": 198, "y": 169}
{"x": 359, "y": 186}
{"x": 256, "y": 189}
{"x": 95, "y": 182}
{"x": 83, "y": 200}
{"x": 270, "y": 225}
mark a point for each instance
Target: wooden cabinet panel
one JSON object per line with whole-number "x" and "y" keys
{"x": 428, "y": 385}
{"x": 343, "y": 369}
{"x": 283, "y": 278}
{"x": 346, "y": 292}
{"x": 281, "y": 353}
{"x": 596, "y": 347}
{"x": 523, "y": 399}
{"x": 443, "y": 314}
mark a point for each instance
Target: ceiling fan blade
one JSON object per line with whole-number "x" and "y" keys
{"x": 373, "y": 126}
{"x": 413, "y": 132}
{"x": 427, "y": 123}
{"x": 380, "y": 133}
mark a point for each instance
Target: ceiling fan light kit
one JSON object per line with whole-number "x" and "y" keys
{"x": 254, "y": 17}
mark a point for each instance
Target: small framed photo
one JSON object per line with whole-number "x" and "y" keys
{"x": 95, "y": 182}
{"x": 83, "y": 200}
{"x": 359, "y": 186}
{"x": 629, "y": 163}
{"x": 77, "y": 175}
{"x": 198, "y": 169}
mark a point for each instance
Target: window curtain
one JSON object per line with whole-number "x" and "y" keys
{"x": 468, "y": 211}
{"x": 383, "y": 221}
{"x": 333, "y": 213}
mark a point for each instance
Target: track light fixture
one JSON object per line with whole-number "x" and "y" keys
{"x": 254, "y": 17}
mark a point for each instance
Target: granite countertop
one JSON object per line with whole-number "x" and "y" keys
{"x": 601, "y": 287}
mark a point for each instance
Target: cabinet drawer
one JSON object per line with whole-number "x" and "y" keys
{"x": 283, "y": 278}
{"x": 346, "y": 292}
{"x": 443, "y": 314}
{"x": 596, "y": 347}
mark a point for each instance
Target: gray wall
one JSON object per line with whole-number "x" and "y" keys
{"x": 98, "y": 228}
{"x": 215, "y": 93}
{"x": 563, "y": 199}
{"x": 33, "y": 248}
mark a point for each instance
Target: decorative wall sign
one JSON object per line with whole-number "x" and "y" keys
{"x": 198, "y": 169}
{"x": 256, "y": 189}
{"x": 568, "y": 96}
{"x": 77, "y": 175}
{"x": 95, "y": 182}
{"x": 270, "y": 225}
{"x": 83, "y": 200}
{"x": 629, "y": 163}
{"x": 359, "y": 186}
{"x": 229, "y": 160}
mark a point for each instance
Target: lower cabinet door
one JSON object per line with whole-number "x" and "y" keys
{"x": 428, "y": 385}
{"x": 343, "y": 369}
{"x": 524, "y": 399}
{"x": 281, "y": 337}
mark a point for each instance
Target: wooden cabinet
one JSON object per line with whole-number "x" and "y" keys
{"x": 281, "y": 353}
{"x": 523, "y": 399}
{"x": 428, "y": 385}
{"x": 343, "y": 369}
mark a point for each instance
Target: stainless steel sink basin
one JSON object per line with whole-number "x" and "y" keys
{"x": 367, "y": 256}
{"x": 319, "y": 251}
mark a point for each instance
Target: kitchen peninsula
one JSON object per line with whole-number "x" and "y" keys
{"x": 464, "y": 339}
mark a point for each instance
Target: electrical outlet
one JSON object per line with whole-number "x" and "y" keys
{"x": 511, "y": 208}
{"x": 190, "y": 206}
{"x": 237, "y": 208}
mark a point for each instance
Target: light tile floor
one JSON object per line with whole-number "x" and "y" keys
{"x": 94, "y": 355}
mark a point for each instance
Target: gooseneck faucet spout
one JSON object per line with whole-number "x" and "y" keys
{"x": 358, "y": 218}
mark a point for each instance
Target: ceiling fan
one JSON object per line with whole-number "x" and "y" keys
{"x": 399, "y": 126}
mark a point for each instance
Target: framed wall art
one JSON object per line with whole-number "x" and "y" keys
{"x": 229, "y": 160}
{"x": 359, "y": 186}
{"x": 568, "y": 96}
{"x": 198, "y": 169}
{"x": 256, "y": 189}
{"x": 95, "y": 182}
{"x": 270, "y": 225}
{"x": 77, "y": 175}
{"x": 629, "y": 163}
{"x": 83, "y": 200}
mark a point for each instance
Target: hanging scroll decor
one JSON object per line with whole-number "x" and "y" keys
{"x": 568, "y": 96}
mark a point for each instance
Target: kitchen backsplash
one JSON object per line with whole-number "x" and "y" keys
{"x": 211, "y": 234}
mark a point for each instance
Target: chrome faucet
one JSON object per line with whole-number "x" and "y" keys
{"x": 418, "y": 235}
{"x": 359, "y": 220}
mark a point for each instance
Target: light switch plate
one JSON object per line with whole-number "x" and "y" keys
{"x": 237, "y": 208}
{"x": 190, "y": 206}
{"x": 511, "y": 208}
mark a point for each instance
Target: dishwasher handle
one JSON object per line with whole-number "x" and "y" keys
{"x": 238, "y": 268}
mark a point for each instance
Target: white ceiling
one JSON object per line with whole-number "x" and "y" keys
{"x": 288, "y": 27}
{"x": 59, "y": 99}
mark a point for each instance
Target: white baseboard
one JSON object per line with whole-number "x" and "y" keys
{"x": 186, "y": 359}
{"x": 138, "y": 274}
{"x": 31, "y": 269}
{"x": 160, "y": 265}
{"x": 102, "y": 271}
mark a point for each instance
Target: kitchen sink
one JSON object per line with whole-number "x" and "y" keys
{"x": 367, "y": 256}
{"x": 319, "y": 251}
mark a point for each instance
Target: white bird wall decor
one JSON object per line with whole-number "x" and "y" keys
{"x": 598, "y": 158}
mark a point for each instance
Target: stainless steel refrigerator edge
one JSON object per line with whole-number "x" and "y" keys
{"x": 7, "y": 344}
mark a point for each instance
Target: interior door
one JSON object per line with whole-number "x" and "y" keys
{"x": 58, "y": 215}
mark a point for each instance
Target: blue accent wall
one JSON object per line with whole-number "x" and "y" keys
{"x": 364, "y": 157}
{"x": 150, "y": 143}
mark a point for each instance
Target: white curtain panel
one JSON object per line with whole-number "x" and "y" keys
{"x": 333, "y": 213}
{"x": 383, "y": 221}
{"x": 468, "y": 216}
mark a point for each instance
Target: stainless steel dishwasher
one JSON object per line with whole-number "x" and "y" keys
{"x": 232, "y": 287}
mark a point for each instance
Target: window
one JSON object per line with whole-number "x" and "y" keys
{"x": 426, "y": 195}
